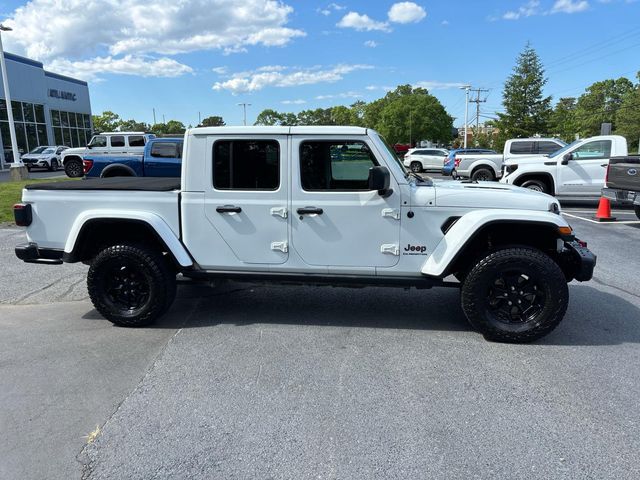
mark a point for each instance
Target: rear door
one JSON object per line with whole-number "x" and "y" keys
{"x": 337, "y": 222}
{"x": 584, "y": 173}
{"x": 246, "y": 201}
{"x": 164, "y": 159}
{"x": 117, "y": 144}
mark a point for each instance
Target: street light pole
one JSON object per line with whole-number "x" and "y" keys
{"x": 18, "y": 170}
{"x": 466, "y": 88}
{"x": 244, "y": 109}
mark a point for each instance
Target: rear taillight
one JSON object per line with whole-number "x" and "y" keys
{"x": 457, "y": 162}
{"x": 22, "y": 214}
{"x": 86, "y": 165}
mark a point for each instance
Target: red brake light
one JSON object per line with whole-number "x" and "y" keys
{"x": 457, "y": 162}
{"x": 86, "y": 165}
{"x": 22, "y": 214}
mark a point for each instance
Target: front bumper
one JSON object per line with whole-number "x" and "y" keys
{"x": 31, "y": 253}
{"x": 581, "y": 260}
{"x": 623, "y": 197}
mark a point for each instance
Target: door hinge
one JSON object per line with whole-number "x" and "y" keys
{"x": 280, "y": 211}
{"x": 280, "y": 246}
{"x": 391, "y": 212}
{"x": 390, "y": 248}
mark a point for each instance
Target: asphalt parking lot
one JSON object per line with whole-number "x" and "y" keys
{"x": 248, "y": 381}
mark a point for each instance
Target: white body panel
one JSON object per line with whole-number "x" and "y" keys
{"x": 108, "y": 148}
{"x": 428, "y": 158}
{"x": 359, "y": 232}
{"x": 577, "y": 172}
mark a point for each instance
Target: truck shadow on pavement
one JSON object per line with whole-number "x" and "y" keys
{"x": 593, "y": 318}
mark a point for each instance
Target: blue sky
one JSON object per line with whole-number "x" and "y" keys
{"x": 210, "y": 55}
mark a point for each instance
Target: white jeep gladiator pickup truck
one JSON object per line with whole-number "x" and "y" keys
{"x": 576, "y": 171}
{"x": 308, "y": 205}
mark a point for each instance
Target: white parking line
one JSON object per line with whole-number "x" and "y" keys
{"x": 616, "y": 222}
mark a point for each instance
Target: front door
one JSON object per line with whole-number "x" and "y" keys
{"x": 584, "y": 173}
{"x": 337, "y": 221}
{"x": 246, "y": 204}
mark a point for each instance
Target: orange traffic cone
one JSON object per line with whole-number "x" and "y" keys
{"x": 604, "y": 211}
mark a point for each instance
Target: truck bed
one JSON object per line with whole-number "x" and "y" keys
{"x": 624, "y": 173}
{"x": 143, "y": 184}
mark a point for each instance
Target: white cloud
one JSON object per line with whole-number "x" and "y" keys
{"x": 350, "y": 94}
{"x": 406, "y": 12}
{"x": 127, "y": 65}
{"x": 362, "y": 22}
{"x": 570, "y": 6}
{"x": 532, "y": 7}
{"x": 436, "y": 85}
{"x": 73, "y": 30}
{"x": 326, "y": 11}
{"x": 219, "y": 70}
{"x": 280, "y": 76}
{"x": 444, "y": 22}
{"x": 371, "y": 44}
{"x": 294, "y": 102}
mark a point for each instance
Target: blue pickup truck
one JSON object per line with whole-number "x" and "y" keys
{"x": 162, "y": 157}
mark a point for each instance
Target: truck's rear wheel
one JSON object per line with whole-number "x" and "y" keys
{"x": 73, "y": 168}
{"x": 483, "y": 175}
{"x": 131, "y": 285}
{"x": 515, "y": 295}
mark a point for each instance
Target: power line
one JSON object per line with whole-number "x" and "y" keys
{"x": 477, "y": 101}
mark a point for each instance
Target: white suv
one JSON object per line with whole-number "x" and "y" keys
{"x": 421, "y": 159}
{"x": 108, "y": 143}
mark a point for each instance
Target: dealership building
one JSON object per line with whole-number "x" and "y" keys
{"x": 48, "y": 108}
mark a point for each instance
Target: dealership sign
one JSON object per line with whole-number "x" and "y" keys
{"x": 62, "y": 95}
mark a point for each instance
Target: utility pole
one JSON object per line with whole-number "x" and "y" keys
{"x": 18, "y": 169}
{"x": 199, "y": 119}
{"x": 244, "y": 109}
{"x": 154, "y": 115}
{"x": 466, "y": 88}
{"x": 477, "y": 101}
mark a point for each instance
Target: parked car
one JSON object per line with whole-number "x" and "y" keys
{"x": 484, "y": 166}
{"x": 108, "y": 143}
{"x": 622, "y": 181}
{"x": 162, "y": 157}
{"x": 575, "y": 171}
{"x": 44, "y": 157}
{"x": 271, "y": 204}
{"x": 401, "y": 148}
{"x": 421, "y": 159}
{"x": 453, "y": 158}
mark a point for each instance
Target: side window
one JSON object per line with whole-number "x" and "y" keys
{"x": 545, "y": 148}
{"x": 136, "y": 141}
{"x": 593, "y": 150}
{"x": 520, "y": 148}
{"x": 335, "y": 165}
{"x": 117, "y": 141}
{"x": 246, "y": 165}
{"x": 164, "y": 150}
{"x": 98, "y": 141}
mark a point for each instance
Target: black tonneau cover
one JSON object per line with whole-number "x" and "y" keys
{"x": 143, "y": 184}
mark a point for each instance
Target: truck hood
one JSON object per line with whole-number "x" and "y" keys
{"x": 77, "y": 150}
{"x": 483, "y": 195}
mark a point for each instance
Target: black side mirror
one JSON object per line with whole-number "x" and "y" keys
{"x": 380, "y": 179}
{"x": 566, "y": 158}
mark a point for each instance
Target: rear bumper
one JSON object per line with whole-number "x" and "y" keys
{"x": 627, "y": 197}
{"x": 30, "y": 253}
{"x": 582, "y": 260}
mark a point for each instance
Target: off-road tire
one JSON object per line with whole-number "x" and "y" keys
{"x": 637, "y": 210}
{"x": 483, "y": 175}
{"x": 153, "y": 273}
{"x": 536, "y": 185}
{"x": 73, "y": 169}
{"x": 478, "y": 291}
{"x": 416, "y": 167}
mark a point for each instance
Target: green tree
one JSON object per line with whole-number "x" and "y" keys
{"x": 106, "y": 122}
{"x": 409, "y": 114}
{"x": 628, "y": 117}
{"x": 562, "y": 122}
{"x": 212, "y": 121}
{"x": 272, "y": 117}
{"x": 172, "y": 127}
{"x": 132, "y": 126}
{"x": 318, "y": 116}
{"x": 600, "y": 104}
{"x": 527, "y": 110}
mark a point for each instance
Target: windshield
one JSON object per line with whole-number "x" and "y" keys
{"x": 49, "y": 150}
{"x": 563, "y": 149}
{"x": 392, "y": 152}
{"x": 37, "y": 150}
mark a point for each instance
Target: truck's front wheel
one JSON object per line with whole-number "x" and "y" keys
{"x": 515, "y": 295}
{"x": 131, "y": 285}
